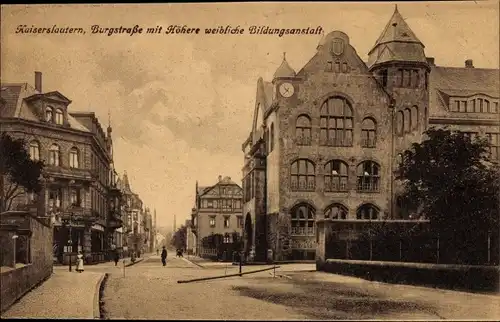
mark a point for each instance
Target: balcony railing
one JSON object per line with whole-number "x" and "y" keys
{"x": 302, "y": 231}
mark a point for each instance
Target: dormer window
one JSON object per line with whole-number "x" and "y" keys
{"x": 474, "y": 105}
{"x": 48, "y": 114}
{"x": 59, "y": 117}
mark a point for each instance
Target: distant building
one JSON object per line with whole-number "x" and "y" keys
{"x": 218, "y": 211}
{"x": 133, "y": 222}
{"x": 325, "y": 141}
{"x": 79, "y": 192}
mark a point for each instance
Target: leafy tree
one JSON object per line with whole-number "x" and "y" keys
{"x": 449, "y": 179}
{"x": 179, "y": 238}
{"x": 18, "y": 173}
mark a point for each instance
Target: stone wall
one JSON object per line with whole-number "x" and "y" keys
{"x": 15, "y": 282}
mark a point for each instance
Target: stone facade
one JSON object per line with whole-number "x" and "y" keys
{"x": 78, "y": 175}
{"x": 218, "y": 211}
{"x": 325, "y": 140}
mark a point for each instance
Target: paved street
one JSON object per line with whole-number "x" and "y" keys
{"x": 64, "y": 295}
{"x": 150, "y": 291}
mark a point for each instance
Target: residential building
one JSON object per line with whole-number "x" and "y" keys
{"x": 77, "y": 177}
{"x": 325, "y": 140}
{"x": 217, "y": 211}
{"x": 133, "y": 222}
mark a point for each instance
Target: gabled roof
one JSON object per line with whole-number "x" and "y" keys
{"x": 446, "y": 82}
{"x": 397, "y": 30}
{"x": 224, "y": 181}
{"x": 201, "y": 190}
{"x": 15, "y": 95}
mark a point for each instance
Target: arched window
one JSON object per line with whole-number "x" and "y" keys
{"x": 336, "y": 211}
{"x": 367, "y": 211}
{"x": 407, "y": 120}
{"x": 368, "y": 133}
{"x": 54, "y": 155}
{"x": 303, "y": 130}
{"x": 48, "y": 114}
{"x": 400, "y": 119}
{"x": 414, "y": 117}
{"x": 34, "y": 150}
{"x": 302, "y": 175}
{"x": 336, "y": 122}
{"x": 271, "y": 138}
{"x": 73, "y": 158}
{"x": 59, "y": 117}
{"x": 302, "y": 219}
{"x": 368, "y": 176}
{"x": 336, "y": 176}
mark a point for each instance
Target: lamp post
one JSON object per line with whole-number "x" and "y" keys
{"x": 70, "y": 239}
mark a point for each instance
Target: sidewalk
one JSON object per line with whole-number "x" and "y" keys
{"x": 64, "y": 295}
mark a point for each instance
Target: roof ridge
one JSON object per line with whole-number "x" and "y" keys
{"x": 467, "y": 68}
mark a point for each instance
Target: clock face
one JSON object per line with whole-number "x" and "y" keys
{"x": 286, "y": 90}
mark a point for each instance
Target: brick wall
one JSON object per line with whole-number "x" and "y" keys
{"x": 15, "y": 283}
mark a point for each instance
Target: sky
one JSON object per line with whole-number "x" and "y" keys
{"x": 182, "y": 105}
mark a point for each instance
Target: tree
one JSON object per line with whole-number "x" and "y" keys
{"x": 449, "y": 179}
{"x": 179, "y": 238}
{"x": 18, "y": 173}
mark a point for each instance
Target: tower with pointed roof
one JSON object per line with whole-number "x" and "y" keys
{"x": 398, "y": 61}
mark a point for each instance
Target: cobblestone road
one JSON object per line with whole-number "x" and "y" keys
{"x": 64, "y": 295}
{"x": 150, "y": 291}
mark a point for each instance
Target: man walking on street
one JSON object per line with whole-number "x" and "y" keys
{"x": 164, "y": 256}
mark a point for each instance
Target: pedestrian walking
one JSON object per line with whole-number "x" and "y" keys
{"x": 117, "y": 258}
{"x": 157, "y": 252}
{"x": 79, "y": 262}
{"x": 164, "y": 256}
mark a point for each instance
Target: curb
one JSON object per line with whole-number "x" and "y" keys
{"x": 97, "y": 296}
{"x": 187, "y": 260}
{"x": 137, "y": 261}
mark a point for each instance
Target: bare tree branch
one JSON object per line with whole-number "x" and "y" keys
{"x": 12, "y": 199}
{"x": 11, "y": 189}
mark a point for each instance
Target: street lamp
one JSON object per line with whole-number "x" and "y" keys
{"x": 70, "y": 239}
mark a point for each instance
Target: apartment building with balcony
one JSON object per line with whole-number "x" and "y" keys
{"x": 78, "y": 177}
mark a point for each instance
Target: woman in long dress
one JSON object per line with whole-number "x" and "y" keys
{"x": 79, "y": 262}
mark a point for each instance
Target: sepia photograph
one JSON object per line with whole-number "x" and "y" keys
{"x": 250, "y": 161}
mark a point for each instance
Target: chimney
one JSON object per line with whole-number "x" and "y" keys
{"x": 220, "y": 178}
{"x": 38, "y": 81}
{"x": 469, "y": 63}
{"x": 430, "y": 61}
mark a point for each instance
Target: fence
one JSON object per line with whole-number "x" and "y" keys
{"x": 406, "y": 241}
